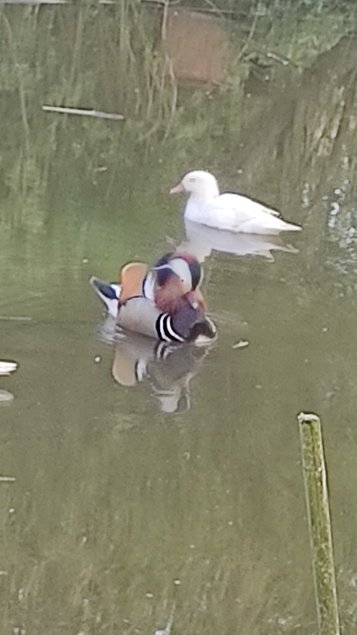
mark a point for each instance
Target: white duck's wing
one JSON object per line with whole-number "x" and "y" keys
{"x": 246, "y": 205}
{"x": 237, "y": 213}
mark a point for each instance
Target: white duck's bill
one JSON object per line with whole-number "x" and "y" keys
{"x": 177, "y": 189}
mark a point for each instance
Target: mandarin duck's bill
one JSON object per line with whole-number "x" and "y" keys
{"x": 164, "y": 302}
{"x": 167, "y": 368}
{"x": 230, "y": 212}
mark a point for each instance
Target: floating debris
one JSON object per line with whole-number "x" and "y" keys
{"x": 6, "y": 368}
{"x": 34, "y": 2}
{"x": 6, "y": 397}
{"x": 7, "y": 479}
{"x": 241, "y": 344}
{"x": 83, "y": 112}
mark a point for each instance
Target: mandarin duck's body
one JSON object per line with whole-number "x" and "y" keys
{"x": 165, "y": 302}
{"x": 230, "y": 212}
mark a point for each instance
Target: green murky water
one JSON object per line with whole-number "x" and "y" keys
{"x": 179, "y": 498}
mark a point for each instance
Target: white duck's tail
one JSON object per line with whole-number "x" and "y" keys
{"x": 108, "y": 292}
{"x": 288, "y": 227}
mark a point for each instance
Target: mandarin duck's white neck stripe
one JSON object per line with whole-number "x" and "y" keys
{"x": 149, "y": 285}
{"x": 165, "y": 330}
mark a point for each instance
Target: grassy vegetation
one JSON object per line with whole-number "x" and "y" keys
{"x": 109, "y": 57}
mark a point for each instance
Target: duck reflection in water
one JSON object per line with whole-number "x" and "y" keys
{"x": 202, "y": 240}
{"x": 167, "y": 368}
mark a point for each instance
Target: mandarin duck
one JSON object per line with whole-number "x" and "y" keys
{"x": 230, "y": 212}
{"x": 164, "y": 302}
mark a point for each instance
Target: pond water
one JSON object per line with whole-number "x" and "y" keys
{"x": 177, "y": 501}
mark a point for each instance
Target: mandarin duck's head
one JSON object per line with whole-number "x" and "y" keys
{"x": 182, "y": 265}
{"x": 178, "y": 276}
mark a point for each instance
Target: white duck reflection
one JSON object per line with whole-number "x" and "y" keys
{"x": 202, "y": 240}
{"x": 168, "y": 368}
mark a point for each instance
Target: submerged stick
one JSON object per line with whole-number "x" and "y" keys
{"x": 14, "y": 318}
{"x": 83, "y": 112}
{"x": 317, "y": 502}
{"x": 34, "y": 1}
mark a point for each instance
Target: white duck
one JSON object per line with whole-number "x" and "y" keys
{"x": 231, "y": 212}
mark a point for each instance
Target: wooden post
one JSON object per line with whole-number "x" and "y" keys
{"x": 317, "y": 502}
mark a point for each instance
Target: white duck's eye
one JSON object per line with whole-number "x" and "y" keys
{"x": 192, "y": 179}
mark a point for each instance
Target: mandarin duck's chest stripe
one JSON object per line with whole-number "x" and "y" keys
{"x": 165, "y": 329}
